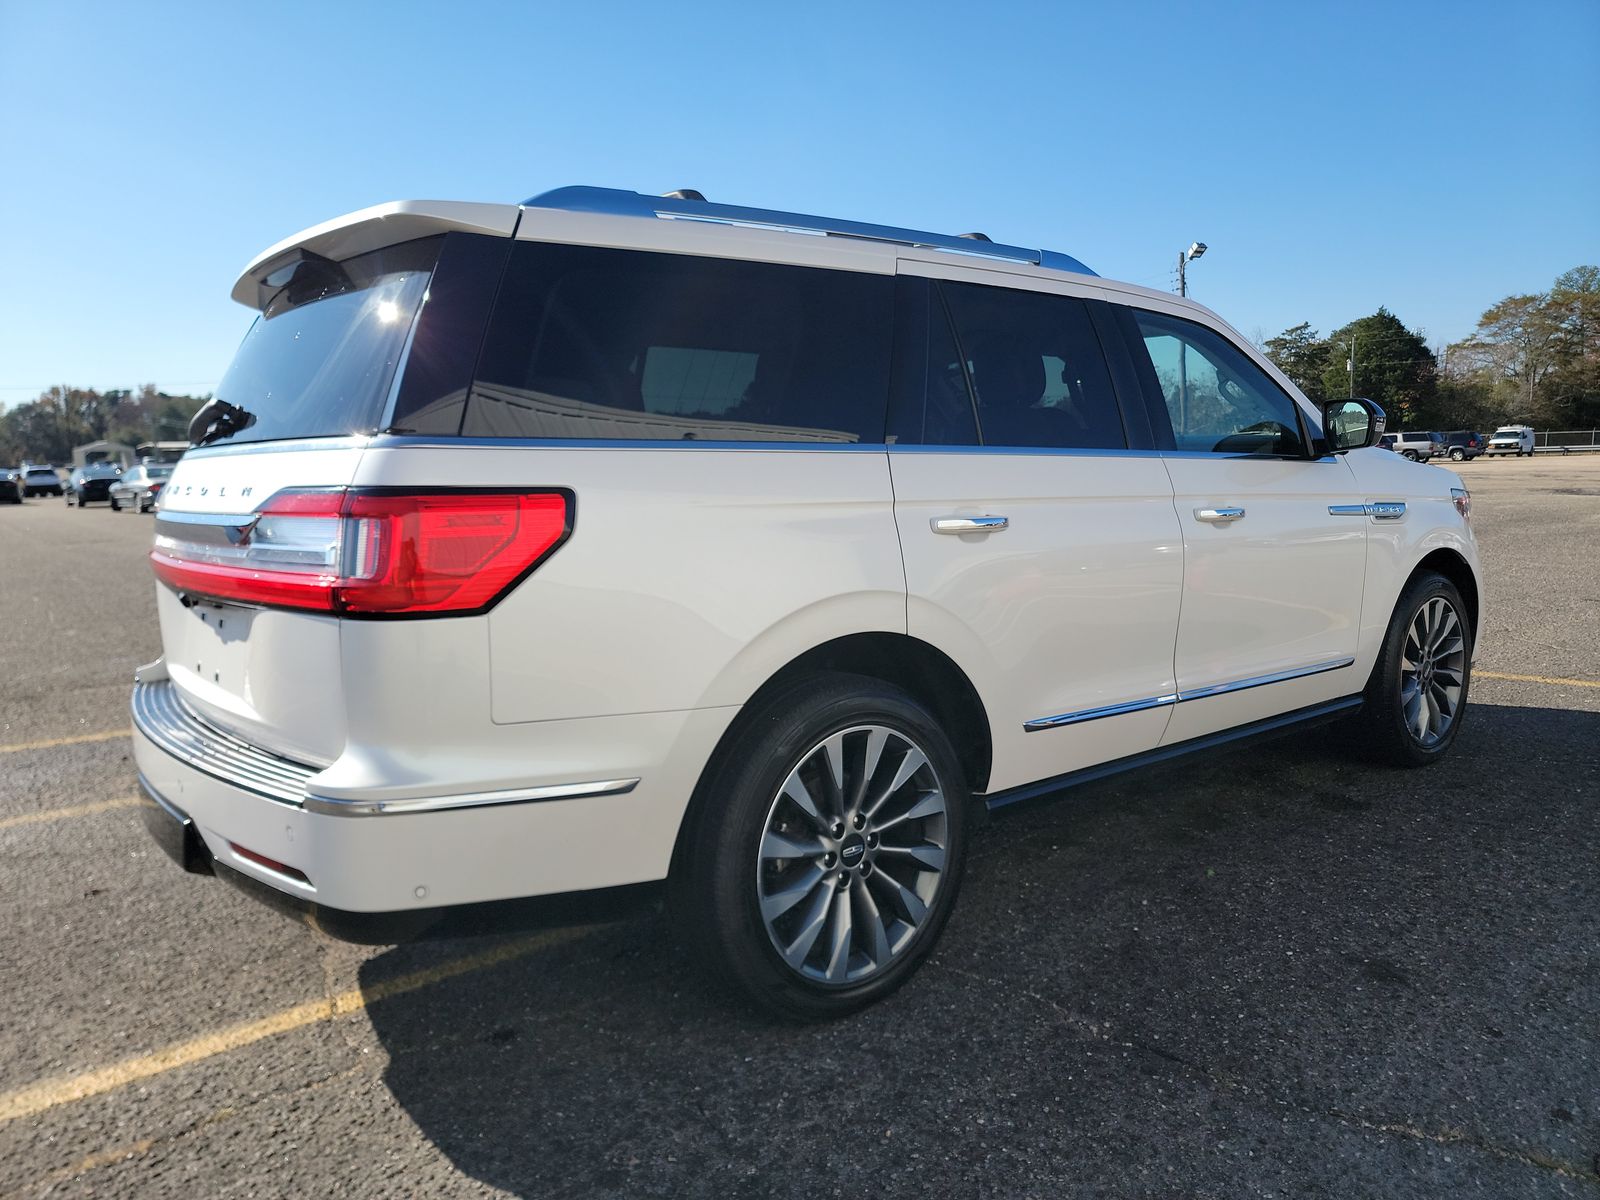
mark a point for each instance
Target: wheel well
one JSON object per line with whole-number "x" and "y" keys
{"x": 927, "y": 674}
{"x": 1454, "y": 568}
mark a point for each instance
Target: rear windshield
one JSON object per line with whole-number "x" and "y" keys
{"x": 319, "y": 360}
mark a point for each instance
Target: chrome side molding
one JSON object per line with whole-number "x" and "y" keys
{"x": 1201, "y": 693}
{"x": 1255, "y": 681}
{"x": 1094, "y": 714}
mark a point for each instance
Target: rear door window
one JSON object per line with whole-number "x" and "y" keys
{"x": 595, "y": 343}
{"x": 1034, "y": 364}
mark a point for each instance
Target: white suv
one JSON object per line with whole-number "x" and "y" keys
{"x": 606, "y": 540}
{"x": 1418, "y": 447}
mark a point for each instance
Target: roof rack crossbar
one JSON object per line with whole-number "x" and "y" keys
{"x": 616, "y": 202}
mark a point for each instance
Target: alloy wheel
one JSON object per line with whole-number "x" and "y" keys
{"x": 852, "y": 854}
{"x": 1433, "y": 667}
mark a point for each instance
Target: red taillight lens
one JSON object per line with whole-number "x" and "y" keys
{"x": 373, "y": 552}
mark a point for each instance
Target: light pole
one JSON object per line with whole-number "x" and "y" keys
{"x": 1185, "y": 257}
{"x": 1350, "y": 361}
{"x": 1195, "y": 250}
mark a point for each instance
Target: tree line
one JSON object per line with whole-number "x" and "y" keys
{"x": 46, "y": 429}
{"x": 1532, "y": 360}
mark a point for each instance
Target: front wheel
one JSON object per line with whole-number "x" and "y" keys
{"x": 1417, "y": 693}
{"x": 1458, "y": 454}
{"x": 825, "y": 849}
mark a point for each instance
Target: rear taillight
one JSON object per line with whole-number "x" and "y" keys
{"x": 370, "y": 552}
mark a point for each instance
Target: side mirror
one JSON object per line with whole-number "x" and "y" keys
{"x": 1352, "y": 424}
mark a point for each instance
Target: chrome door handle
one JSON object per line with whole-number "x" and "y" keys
{"x": 969, "y": 524}
{"x": 1218, "y": 516}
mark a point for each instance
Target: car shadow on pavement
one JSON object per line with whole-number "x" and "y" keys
{"x": 1281, "y": 969}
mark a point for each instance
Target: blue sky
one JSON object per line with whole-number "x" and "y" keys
{"x": 1428, "y": 157}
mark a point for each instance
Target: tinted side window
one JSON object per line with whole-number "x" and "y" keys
{"x": 1217, "y": 399}
{"x": 597, "y": 343}
{"x": 1036, "y": 368}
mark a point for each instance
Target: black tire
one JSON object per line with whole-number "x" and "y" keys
{"x": 719, "y": 877}
{"x": 1458, "y": 455}
{"x": 115, "y": 507}
{"x": 1388, "y": 735}
{"x": 1411, "y": 454}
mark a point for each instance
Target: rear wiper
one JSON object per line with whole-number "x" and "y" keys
{"x": 218, "y": 419}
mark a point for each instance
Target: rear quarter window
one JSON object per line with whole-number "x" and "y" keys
{"x": 593, "y": 343}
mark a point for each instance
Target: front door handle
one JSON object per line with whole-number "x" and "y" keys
{"x": 1218, "y": 516}
{"x": 969, "y": 524}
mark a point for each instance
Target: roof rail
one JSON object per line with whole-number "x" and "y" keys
{"x": 618, "y": 203}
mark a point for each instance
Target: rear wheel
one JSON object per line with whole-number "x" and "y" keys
{"x": 115, "y": 507}
{"x": 1457, "y": 454}
{"x": 1411, "y": 454}
{"x": 825, "y": 850}
{"x": 1417, "y": 693}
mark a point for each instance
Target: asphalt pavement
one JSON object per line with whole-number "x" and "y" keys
{"x": 1282, "y": 972}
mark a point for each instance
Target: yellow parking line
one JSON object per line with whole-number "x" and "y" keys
{"x": 75, "y": 810}
{"x": 51, "y": 1093}
{"x": 76, "y": 739}
{"x": 1588, "y": 683}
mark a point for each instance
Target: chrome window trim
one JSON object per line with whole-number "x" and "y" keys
{"x": 1201, "y": 693}
{"x": 354, "y": 441}
{"x": 387, "y": 441}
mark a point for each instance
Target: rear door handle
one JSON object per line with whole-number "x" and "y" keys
{"x": 969, "y": 524}
{"x": 1218, "y": 516}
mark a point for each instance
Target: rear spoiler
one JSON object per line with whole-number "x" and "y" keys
{"x": 371, "y": 229}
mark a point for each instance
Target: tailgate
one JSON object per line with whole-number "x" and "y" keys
{"x": 269, "y": 675}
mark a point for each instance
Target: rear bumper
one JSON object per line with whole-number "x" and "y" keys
{"x": 178, "y": 836}
{"x": 242, "y": 811}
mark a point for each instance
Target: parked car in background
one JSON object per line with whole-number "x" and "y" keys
{"x": 1418, "y": 447}
{"x": 41, "y": 480}
{"x": 92, "y": 484}
{"x": 1511, "y": 439}
{"x": 696, "y": 547}
{"x": 1464, "y": 444}
{"x": 10, "y": 485}
{"x": 139, "y": 487}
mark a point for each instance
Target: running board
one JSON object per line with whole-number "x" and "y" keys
{"x": 1228, "y": 738}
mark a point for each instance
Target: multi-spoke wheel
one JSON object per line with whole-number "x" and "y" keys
{"x": 1418, "y": 689}
{"x": 1433, "y": 671}
{"x": 824, "y": 849}
{"x": 852, "y": 855}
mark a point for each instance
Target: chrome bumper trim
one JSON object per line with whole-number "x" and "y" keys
{"x": 329, "y": 806}
{"x": 161, "y": 715}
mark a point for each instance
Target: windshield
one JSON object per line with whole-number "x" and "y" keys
{"x": 319, "y": 360}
